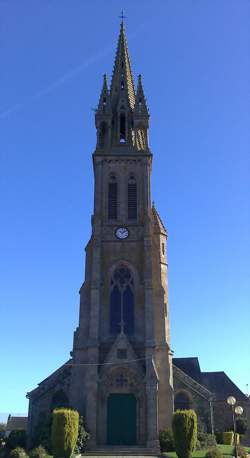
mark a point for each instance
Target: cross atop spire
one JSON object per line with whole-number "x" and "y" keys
{"x": 122, "y": 16}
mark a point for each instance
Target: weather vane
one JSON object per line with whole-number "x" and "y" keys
{"x": 122, "y": 16}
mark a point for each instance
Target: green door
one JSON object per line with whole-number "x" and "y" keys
{"x": 121, "y": 419}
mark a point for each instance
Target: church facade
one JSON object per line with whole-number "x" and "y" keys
{"x": 120, "y": 374}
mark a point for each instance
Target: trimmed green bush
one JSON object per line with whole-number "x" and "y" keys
{"x": 18, "y": 452}
{"x": 38, "y": 452}
{"x": 185, "y": 432}
{"x": 17, "y": 438}
{"x": 214, "y": 453}
{"x": 166, "y": 439}
{"x": 228, "y": 438}
{"x": 64, "y": 432}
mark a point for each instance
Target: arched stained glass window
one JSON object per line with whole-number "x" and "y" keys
{"x": 122, "y": 302}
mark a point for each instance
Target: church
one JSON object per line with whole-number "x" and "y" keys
{"x": 121, "y": 376}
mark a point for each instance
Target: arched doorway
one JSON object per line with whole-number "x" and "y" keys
{"x": 182, "y": 401}
{"x": 121, "y": 419}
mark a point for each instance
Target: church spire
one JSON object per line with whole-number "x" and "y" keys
{"x": 104, "y": 101}
{"x": 122, "y": 115}
{"x": 141, "y": 109}
{"x": 122, "y": 85}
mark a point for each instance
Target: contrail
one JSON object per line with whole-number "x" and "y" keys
{"x": 60, "y": 81}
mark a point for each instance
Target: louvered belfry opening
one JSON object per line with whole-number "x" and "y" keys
{"x": 132, "y": 198}
{"x": 112, "y": 198}
{"x": 122, "y": 128}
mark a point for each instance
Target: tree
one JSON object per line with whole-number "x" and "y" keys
{"x": 185, "y": 432}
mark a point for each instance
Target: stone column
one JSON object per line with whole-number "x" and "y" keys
{"x": 152, "y": 416}
{"x": 91, "y": 388}
{"x": 149, "y": 308}
{"x": 91, "y": 381}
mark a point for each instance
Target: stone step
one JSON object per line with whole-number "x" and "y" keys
{"x": 107, "y": 451}
{"x": 120, "y": 454}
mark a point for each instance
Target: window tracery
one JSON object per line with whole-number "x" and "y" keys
{"x": 122, "y": 301}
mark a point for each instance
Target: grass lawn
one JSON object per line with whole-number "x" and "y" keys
{"x": 226, "y": 450}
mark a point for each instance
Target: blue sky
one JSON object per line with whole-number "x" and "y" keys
{"x": 194, "y": 58}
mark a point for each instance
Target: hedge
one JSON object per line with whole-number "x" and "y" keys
{"x": 64, "y": 432}
{"x": 228, "y": 438}
{"x": 185, "y": 432}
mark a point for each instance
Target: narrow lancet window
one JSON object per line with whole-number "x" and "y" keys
{"x": 112, "y": 198}
{"x": 132, "y": 198}
{"x": 122, "y": 302}
{"x": 122, "y": 128}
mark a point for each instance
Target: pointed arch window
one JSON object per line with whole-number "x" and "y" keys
{"x": 132, "y": 198}
{"x": 112, "y": 197}
{"x": 122, "y": 302}
{"x": 122, "y": 128}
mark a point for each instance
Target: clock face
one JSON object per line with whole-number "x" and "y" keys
{"x": 121, "y": 233}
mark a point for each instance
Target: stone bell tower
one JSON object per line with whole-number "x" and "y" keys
{"x": 121, "y": 376}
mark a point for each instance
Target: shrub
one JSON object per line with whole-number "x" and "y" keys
{"x": 38, "y": 452}
{"x": 214, "y": 453}
{"x": 228, "y": 438}
{"x": 166, "y": 439}
{"x": 2, "y": 430}
{"x": 82, "y": 438}
{"x": 64, "y": 432}
{"x": 219, "y": 438}
{"x": 241, "y": 425}
{"x": 241, "y": 451}
{"x": 205, "y": 440}
{"x": 17, "y": 438}
{"x": 42, "y": 431}
{"x": 18, "y": 452}
{"x": 185, "y": 432}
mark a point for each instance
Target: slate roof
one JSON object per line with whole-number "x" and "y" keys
{"x": 159, "y": 226}
{"x": 62, "y": 373}
{"x": 216, "y": 382}
{"x": 16, "y": 423}
{"x": 222, "y": 386}
{"x": 190, "y": 366}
